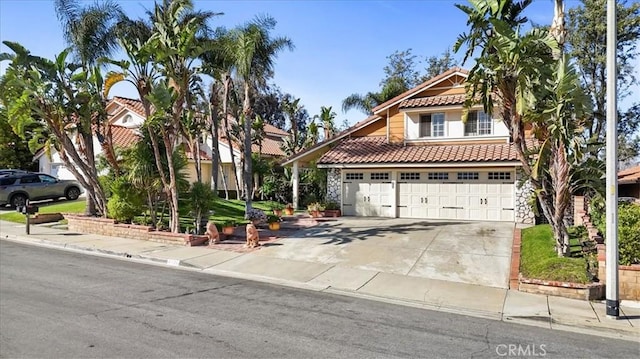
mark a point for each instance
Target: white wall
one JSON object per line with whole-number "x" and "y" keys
{"x": 454, "y": 127}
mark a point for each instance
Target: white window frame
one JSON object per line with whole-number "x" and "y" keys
{"x": 483, "y": 124}
{"x": 437, "y": 126}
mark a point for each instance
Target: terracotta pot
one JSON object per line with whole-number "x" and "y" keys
{"x": 315, "y": 214}
{"x": 274, "y": 226}
{"x": 288, "y": 211}
{"x": 277, "y": 212}
{"x": 227, "y": 230}
{"x": 332, "y": 213}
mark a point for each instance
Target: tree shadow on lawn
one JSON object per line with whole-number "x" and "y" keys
{"x": 340, "y": 233}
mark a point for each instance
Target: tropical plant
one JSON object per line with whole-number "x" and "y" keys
{"x": 61, "y": 100}
{"x": 200, "y": 203}
{"x": 252, "y": 51}
{"x": 536, "y": 89}
{"x": 272, "y": 218}
{"x": 327, "y": 121}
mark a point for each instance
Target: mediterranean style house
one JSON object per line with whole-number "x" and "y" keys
{"x": 126, "y": 118}
{"x": 415, "y": 157}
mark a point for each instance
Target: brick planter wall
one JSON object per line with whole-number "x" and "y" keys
{"x": 628, "y": 276}
{"x": 108, "y": 227}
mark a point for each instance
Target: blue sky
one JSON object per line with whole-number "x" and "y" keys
{"x": 340, "y": 46}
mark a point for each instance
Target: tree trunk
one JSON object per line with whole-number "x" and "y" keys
{"x": 248, "y": 170}
{"x": 225, "y": 104}
{"x": 198, "y": 160}
{"x": 215, "y": 145}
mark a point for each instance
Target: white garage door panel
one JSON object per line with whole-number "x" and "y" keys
{"x": 363, "y": 197}
{"x": 469, "y": 199}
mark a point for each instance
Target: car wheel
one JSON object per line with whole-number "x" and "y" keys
{"x": 18, "y": 200}
{"x": 73, "y": 193}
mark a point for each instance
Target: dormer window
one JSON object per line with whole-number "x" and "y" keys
{"x": 478, "y": 124}
{"x": 432, "y": 125}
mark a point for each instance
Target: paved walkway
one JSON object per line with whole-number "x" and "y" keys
{"x": 269, "y": 265}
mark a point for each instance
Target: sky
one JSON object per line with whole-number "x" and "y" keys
{"x": 341, "y": 47}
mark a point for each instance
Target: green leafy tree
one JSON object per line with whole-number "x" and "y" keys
{"x": 437, "y": 65}
{"x": 586, "y": 36}
{"x": 14, "y": 150}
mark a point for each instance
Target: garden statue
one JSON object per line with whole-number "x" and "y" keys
{"x": 212, "y": 233}
{"x": 252, "y": 236}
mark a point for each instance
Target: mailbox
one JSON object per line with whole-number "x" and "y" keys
{"x": 29, "y": 209}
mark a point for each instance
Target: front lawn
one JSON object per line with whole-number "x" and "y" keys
{"x": 232, "y": 210}
{"x": 539, "y": 260}
{"x": 76, "y": 206}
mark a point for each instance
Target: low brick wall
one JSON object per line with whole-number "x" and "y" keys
{"x": 628, "y": 276}
{"x": 108, "y": 227}
{"x": 590, "y": 291}
{"x": 46, "y": 218}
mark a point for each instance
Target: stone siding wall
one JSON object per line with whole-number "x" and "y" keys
{"x": 524, "y": 212}
{"x": 334, "y": 185}
{"x": 108, "y": 227}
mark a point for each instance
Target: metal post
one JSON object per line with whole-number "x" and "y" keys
{"x": 613, "y": 303}
{"x": 26, "y": 213}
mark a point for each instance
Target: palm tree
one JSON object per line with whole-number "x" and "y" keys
{"x": 90, "y": 31}
{"x": 253, "y": 51}
{"x": 367, "y": 102}
{"x": 327, "y": 121}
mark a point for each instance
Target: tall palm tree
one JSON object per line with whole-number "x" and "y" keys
{"x": 90, "y": 32}
{"x": 253, "y": 52}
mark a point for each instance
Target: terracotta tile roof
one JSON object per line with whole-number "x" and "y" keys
{"x": 130, "y": 104}
{"x": 270, "y": 147}
{"x": 630, "y": 175}
{"x": 124, "y": 137}
{"x": 420, "y": 87}
{"x": 203, "y": 155}
{"x": 374, "y": 150}
{"x": 433, "y": 101}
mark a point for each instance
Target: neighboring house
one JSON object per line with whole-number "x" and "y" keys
{"x": 126, "y": 118}
{"x": 416, "y": 158}
{"x": 629, "y": 182}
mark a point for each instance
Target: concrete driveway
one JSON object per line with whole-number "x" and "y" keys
{"x": 467, "y": 252}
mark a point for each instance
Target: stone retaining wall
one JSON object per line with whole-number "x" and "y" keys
{"x": 108, "y": 227}
{"x": 524, "y": 212}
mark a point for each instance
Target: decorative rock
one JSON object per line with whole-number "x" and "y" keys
{"x": 212, "y": 233}
{"x": 253, "y": 238}
{"x": 334, "y": 185}
{"x": 524, "y": 212}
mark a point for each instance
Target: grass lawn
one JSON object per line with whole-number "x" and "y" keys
{"x": 539, "y": 260}
{"x": 47, "y": 207}
{"x": 223, "y": 210}
{"x": 233, "y": 210}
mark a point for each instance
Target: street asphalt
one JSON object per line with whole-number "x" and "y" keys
{"x": 56, "y": 304}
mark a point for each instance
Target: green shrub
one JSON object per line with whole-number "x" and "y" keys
{"x": 628, "y": 229}
{"x": 122, "y": 210}
{"x": 629, "y": 233}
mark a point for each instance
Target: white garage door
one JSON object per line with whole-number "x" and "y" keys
{"x": 368, "y": 194}
{"x": 465, "y": 195}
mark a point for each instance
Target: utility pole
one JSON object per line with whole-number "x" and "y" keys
{"x": 613, "y": 302}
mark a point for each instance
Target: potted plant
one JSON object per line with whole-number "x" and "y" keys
{"x": 288, "y": 210}
{"x": 228, "y": 226}
{"x": 332, "y": 209}
{"x": 256, "y": 216}
{"x": 314, "y": 209}
{"x": 274, "y": 222}
{"x": 277, "y": 209}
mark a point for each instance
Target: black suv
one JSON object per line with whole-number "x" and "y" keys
{"x": 17, "y": 188}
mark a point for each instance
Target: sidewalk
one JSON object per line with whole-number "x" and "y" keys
{"x": 475, "y": 300}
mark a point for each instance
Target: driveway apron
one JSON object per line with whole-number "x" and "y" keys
{"x": 466, "y": 252}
